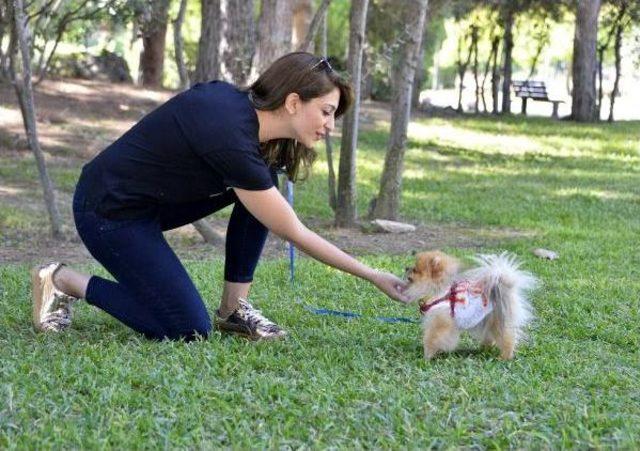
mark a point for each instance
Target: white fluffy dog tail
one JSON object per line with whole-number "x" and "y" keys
{"x": 507, "y": 287}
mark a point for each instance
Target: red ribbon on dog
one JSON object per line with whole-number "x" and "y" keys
{"x": 457, "y": 294}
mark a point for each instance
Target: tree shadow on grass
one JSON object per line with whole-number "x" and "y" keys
{"x": 544, "y": 127}
{"x": 465, "y": 157}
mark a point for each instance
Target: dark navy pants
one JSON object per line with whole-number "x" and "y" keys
{"x": 153, "y": 294}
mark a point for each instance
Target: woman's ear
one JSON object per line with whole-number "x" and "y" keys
{"x": 292, "y": 103}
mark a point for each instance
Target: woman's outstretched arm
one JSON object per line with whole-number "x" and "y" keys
{"x": 270, "y": 208}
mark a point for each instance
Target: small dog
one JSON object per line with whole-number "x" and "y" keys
{"x": 489, "y": 300}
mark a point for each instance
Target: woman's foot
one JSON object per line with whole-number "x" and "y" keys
{"x": 249, "y": 322}
{"x": 51, "y": 307}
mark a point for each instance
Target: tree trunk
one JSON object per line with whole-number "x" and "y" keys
{"x": 536, "y": 57}
{"x": 388, "y": 201}
{"x": 507, "y": 22}
{"x": 154, "y": 33}
{"x": 178, "y": 43}
{"x": 301, "y": 21}
{"x": 208, "y": 65}
{"x": 495, "y": 42}
{"x": 331, "y": 178}
{"x": 24, "y": 91}
{"x": 238, "y": 40}
{"x": 274, "y": 32}
{"x": 208, "y": 233}
{"x": 583, "y": 102}
{"x": 208, "y": 68}
{"x": 601, "y": 49}
{"x": 474, "y": 48}
{"x": 495, "y": 78}
{"x": 462, "y": 68}
{"x": 420, "y": 72}
{"x": 434, "y": 8}
{"x": 346, "y": 212}
{"x": 617, "y": 46}
{"x": 319, "y": 17}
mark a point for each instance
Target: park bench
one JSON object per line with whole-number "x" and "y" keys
{"x": 536, "y": 90}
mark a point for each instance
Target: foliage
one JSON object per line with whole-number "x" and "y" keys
{"x": 338, "y": 29}
{"x": 383, "y": 24}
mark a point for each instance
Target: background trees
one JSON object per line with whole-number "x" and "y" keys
{"x": 387, "y": 54}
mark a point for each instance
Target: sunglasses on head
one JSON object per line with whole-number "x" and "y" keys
{"x": 320, "y": 63}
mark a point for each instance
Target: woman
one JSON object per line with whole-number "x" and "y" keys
{"x": 206, "y": 148}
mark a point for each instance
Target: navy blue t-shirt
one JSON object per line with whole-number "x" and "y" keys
{"x": 195, "y": 146}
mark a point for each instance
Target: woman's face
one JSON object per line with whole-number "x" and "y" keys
{"x": 315, "y": 118}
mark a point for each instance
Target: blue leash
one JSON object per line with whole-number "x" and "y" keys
{"x": 324, "y": 311}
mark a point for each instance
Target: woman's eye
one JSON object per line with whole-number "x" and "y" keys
{"x": 326, "y": 113}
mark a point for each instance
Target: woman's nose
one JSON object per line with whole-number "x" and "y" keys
{"x": 331, "y": 123}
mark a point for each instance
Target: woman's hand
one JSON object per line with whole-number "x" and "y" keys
{"x": 390, "y": 285}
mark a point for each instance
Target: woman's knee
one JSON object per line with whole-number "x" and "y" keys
{"x": 194, "y": 329}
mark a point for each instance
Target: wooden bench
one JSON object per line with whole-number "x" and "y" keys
{"x": 535, "y": 90}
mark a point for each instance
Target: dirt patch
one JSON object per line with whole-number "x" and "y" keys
{"x": 78, "y": 118}
{"x": 36, "y": 246}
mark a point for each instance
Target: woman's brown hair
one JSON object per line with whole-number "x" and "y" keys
{"x": 309, "y": 76}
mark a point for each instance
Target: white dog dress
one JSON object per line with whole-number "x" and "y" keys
{"x": 467, "y": 303}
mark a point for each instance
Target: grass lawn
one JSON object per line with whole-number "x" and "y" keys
{"x": 571, "y": 188}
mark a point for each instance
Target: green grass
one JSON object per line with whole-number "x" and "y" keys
{"x": 353, "y": 384}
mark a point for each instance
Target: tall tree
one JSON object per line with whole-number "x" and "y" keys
{"x": 542, "y": 36}
{"x": 208, "y": 64}
{"x": 319, "y": 20}
{"x": 331, "y": 176}
{"x": 225, "y": 49}
{"x": 154, "y": 20}
{"x": 20, "y": 49}
{"x": 629, "y": 14}
{"x": 610, "y": 22}
{"x": 238, "y": 40}
{"x": 461, "y": 63}
{"x": 508, "y": 11}
{"x": 507, "y": 18}
{"x": 495, "y": 75}
{"x": 178, "y": 44}
{"x": 346, "y": 212}
{"x": 429, "y": 39}
{"x": 388, "y": 201}
{"x": 301, "y": 21}
{"x": 583, "y": 99}
{"x": 618, "y": 61}
{"x": 274, "y": 32}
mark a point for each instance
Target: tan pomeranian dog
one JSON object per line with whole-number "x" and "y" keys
{"x": 489, "y": 300}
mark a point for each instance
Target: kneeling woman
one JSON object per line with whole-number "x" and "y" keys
{"x": 206, "y": 148}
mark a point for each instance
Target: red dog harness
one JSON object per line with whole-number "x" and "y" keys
{"x": 459, "y": 293}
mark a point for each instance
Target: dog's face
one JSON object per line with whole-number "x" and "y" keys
{"x": 433, "y": 272}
